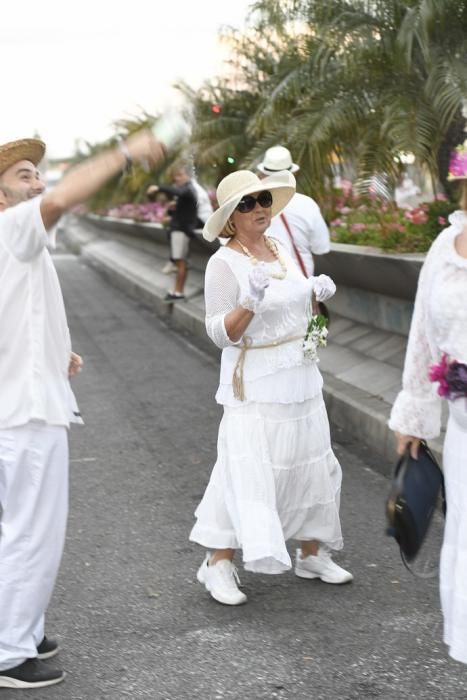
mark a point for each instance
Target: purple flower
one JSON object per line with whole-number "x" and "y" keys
{"x": 456, "y": 379}
{"x": 451, "y": 376}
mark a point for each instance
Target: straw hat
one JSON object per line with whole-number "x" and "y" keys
{"x": 236, "y": 185}
{"x": 276, "y": 159}
{"x": 458, "y": 163}
{"x": 24, "y": 149}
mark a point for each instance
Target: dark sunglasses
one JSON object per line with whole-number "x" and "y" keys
{"x": 248, "y": 202}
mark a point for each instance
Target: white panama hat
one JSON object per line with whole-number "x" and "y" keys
{"x": 236, "y": 185}
{"x": 276, "y": 159}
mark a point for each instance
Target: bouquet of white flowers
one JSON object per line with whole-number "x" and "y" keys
{"x": 315, "y": 337}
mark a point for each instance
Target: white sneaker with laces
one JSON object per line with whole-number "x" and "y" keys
{"x": 321, "y": 566}
{"x": 220, "y": 580}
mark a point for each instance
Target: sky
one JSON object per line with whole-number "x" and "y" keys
{"x": 68, "y": 70}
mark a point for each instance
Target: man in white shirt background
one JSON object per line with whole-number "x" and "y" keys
{"x": 300, "y": 227}
{"x": 36, "y": 401}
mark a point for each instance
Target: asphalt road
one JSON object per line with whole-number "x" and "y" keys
{"x": 132, "y": 620}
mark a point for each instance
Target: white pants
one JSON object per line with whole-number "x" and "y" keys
{"x": 453, "y": 568}
{"x": 34, "y": 505}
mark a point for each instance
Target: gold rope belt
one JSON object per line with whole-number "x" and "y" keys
{"x": 237, "y": 379}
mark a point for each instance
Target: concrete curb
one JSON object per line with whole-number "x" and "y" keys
{"x": 360, "y": 414}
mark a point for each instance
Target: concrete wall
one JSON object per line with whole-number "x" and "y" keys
{"x": 374, "y": 288}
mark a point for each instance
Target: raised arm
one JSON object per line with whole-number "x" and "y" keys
{"x": 170, "y": 190}
{"x": 88, "y": 177}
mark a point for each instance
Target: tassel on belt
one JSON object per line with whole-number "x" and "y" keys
{"x": 237, "y": 379}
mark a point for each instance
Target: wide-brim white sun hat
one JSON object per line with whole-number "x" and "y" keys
{"x": 236, "y": 185}
{"x": 275, "y": 160}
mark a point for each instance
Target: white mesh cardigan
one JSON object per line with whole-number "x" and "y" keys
{"x": 276, "y": 374}
{"x": 439, "y": 325}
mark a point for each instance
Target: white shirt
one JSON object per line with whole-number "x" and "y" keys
{"x": 309, "y": 230}
{"x": 35, "y": 342}
{"x": 439, "y": 325}
{"x": 204, "y": 206}
{"x": 277, "y": 374}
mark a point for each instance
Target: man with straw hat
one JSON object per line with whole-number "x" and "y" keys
{"x": 300, "y": 226}
{"x": 36, "y": 401}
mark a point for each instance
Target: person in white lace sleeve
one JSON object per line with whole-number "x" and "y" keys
{"x": 36, "y": 401}
{"x": 276, "y": 477}
{"x": 437, "y": 353}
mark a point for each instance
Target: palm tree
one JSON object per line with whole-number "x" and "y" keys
{"x": 433, "y": 37}
{"x": 343, "y": 82}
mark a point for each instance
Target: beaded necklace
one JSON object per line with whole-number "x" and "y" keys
{"x": 273, "y": 248}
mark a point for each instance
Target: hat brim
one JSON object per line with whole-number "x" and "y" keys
{"x": 267, "y": 171}
{"x": 282, "y": 187}
{"x": 24, "y": 149}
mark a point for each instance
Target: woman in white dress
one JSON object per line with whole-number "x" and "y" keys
{"x": 276, "y": 477}
{"x": 437, "y": 352}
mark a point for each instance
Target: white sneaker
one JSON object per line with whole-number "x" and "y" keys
{"x": 221, "y": 581}
{"x": 321, "y": 566}
{"x": 169, "y": 268}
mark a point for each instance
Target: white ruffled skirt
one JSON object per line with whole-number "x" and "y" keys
{"x": 453, "y": 567}
{"x": 276, "y": 478}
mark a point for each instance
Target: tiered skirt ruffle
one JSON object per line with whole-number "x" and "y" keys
{"x": 276, "y": 478}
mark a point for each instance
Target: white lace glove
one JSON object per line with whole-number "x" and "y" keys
{"x": 259, "y": 280}
{"x": 172, "y": 129}
{"x": 323, "y": 287}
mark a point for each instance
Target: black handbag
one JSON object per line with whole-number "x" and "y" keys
{"x": 417, "y": 486}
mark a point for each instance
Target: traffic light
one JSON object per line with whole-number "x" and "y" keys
{"x": 230, "y": 160}
{"x": 216, "y": 109}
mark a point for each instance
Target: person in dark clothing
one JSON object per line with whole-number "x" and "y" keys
{"x": 182, "y": 224}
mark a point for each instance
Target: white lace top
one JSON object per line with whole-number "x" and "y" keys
{"x": 276, "y": 374}
{"x": 439, "y": 325}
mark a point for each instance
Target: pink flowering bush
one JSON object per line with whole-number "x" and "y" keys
{"x": 151, "y": 212}
{"x": 370, "y": 221}
{"x": 416, "y": 216}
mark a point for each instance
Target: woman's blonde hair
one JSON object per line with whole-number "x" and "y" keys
{"x": 228, "y": 231}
